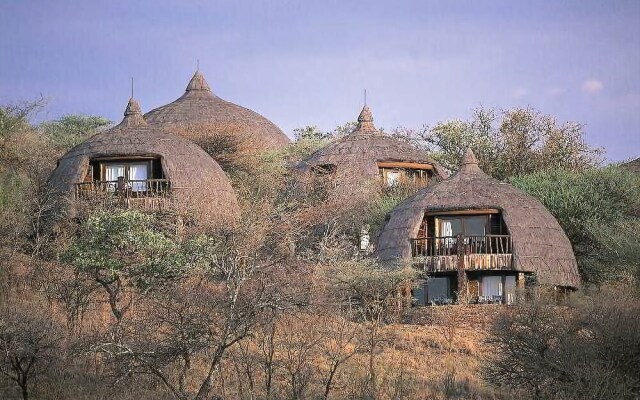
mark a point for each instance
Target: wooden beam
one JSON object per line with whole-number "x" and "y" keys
{"x": 403, "y": 164}
{"x": 463, "y": 212}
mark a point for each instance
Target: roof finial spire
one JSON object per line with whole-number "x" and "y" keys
{"x": 365, "y": 97}
{"x": 469, "y": 163}
{"x": 132, "y": 87}
{"x": 365, "y": 121}
{"x": 132, "y": 108}
{"x": 198, "y": 83}
{"x": 198, "y": 65}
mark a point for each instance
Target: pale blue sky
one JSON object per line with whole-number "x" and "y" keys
{"x": 306, "y": 63}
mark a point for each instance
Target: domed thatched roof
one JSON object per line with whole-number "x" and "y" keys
{"x": 196, "y": 179}
{"x": 199, "y": 113}
{"x": 632, "y": 166}
{"x": 362, "y": 149}
{"x": 540, "y": 245}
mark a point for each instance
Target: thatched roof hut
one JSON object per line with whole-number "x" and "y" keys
{"x": 199, "y": 115}
{"x": 632, "y": 166}
{"x": 197, "y": 183}
{"x": 366, "y": 150}
{"x": 540, "y": 245}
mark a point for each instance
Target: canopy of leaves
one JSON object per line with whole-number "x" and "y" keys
{"x": 599, "y": 210}
{"x": 511, "y": 142}
{"x": 70, "y": 130}
{"x": 124, "y": 245}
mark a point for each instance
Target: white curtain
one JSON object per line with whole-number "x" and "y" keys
{"x": 393, "y": 177}
{"x": 111, "y": 175}
{"x": 113, "y": 172}
{"x": 138, "y": 172}
{"x": 492, "y": 286}
{"x": 447, "y": 230}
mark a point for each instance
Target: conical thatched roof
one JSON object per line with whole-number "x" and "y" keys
{"x": 196, "y": 179}
{"x": 199, "y": 114}
{"x": 540, "y": 245}
{"x": 361, "y": 150}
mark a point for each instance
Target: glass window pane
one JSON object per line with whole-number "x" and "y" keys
{"x": 419, "y": 294}
{"x": 437, "y": 289}
{"x": 450, "y": 226}
{"x": 113, "y": 171}
{"x": 475, "y": 226}
{"x": 138, "y": 172}
{"x": 491, "y": 286}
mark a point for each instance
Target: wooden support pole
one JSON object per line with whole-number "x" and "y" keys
{"x": 462, "y": 274}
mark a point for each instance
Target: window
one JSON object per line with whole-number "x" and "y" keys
{"x": 498, "y": 288}
{"x": 439, "y": 290}
{"x": 393, "y": 177}
{"x": 462, "y": 225}
{"x": 113, "y": 172}
{"x": 394, "y": 172}
{"x": 492, "y": 286}
{"x": 136, "y": 173}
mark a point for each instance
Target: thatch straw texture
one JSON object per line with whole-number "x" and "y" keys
{"x": 198, "y": 182}
{"x": 633, "y": 165}
{"x": 199, "y": 113}
{"x": 540, "y": 244}
{"x": 361, "y": 150}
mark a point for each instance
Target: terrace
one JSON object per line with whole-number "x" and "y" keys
{"x": 147, "y": 194}
{"x": 468, "y": 252}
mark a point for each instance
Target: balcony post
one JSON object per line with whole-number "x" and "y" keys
{"x": 462, "y": 274}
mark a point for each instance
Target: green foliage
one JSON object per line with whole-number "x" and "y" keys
{"x": 124, "y": 246}
{"x": 15, "y": 118}
{"x": 310, "y": 139}
{"x": 511, "y": 142}
{"x": 71, "y": 130}
{"x": 599, "y": 210}
{"x": 385, "y": 202}
{"x": 371, "y": 284}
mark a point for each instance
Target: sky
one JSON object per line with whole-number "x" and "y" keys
{"x": 307, "y": 62}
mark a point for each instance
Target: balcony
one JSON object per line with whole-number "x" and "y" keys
{"x": 451, "y": 253}
{"x": 147, "y": 194}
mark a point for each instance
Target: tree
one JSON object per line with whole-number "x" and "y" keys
{"x": 26, "y": 159}
{"x": 374, "y": 292}
{"x": 510, "y": 142}
{"x": 599, "y": 209}
{"x": 125, "y": 255}
{"x": 586, "y": 349}
{"x": 198, "y": 318}
{"x": 29, "y": 343}
{"x": 70, "y": 130}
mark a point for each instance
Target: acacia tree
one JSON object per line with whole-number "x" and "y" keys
{"x": 198, "y": 319}
{"x": 125, "y": 255}
{"x": 509, "y": 142}
{"x": 70, "y": 130}
{"x": 29, "y": 343}
{"x": 374, "y": 293}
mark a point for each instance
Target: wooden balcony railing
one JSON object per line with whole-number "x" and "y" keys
{"x": 461, "y": 245}
{"x": 122, "y": 188}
